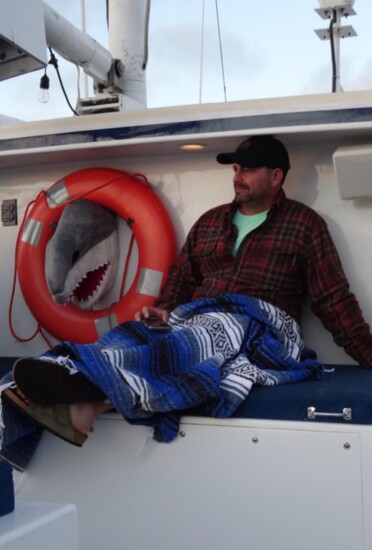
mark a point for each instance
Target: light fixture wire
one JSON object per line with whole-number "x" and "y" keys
{"x": 53, "y": 61}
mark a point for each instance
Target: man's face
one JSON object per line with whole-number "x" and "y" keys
{"x": 255, "y": 188}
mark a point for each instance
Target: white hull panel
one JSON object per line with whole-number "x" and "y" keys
{"x": 223, "y": 484}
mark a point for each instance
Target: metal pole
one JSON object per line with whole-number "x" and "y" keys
{"x": 127, "y": 42}
{"x": 336, "y": 41}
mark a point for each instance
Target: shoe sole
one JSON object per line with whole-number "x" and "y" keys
{"x": 46, "y": 421}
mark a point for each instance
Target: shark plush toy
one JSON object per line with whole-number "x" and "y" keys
{"x": 82, "y": 256}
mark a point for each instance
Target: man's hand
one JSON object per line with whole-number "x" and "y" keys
{"x": 150, "y": 311}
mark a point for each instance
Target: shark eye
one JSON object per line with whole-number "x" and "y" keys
{"x": 75, "y": 257}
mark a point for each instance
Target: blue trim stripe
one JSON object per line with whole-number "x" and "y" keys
{"x": 219, "y": 125}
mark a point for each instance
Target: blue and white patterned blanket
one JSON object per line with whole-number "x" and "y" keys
{"x": 217, "y": 349}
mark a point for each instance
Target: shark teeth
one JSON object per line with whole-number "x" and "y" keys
{"x": 90, "y": 287}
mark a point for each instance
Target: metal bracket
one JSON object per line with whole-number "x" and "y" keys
{"x": 344, "y": 11}
{"x": 100, "y": 103}
{"x": 346, "y": 31}
{"x": 346, "y": 414}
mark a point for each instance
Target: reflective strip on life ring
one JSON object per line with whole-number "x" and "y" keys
{"x": 139, "y": 206}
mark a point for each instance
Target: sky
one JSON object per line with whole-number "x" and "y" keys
{"x": 269, "y": 49}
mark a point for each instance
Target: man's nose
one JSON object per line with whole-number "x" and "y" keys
{"x": 237, "y": 174}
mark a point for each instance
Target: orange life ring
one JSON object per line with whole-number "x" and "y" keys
{"x": 152, "y": 228}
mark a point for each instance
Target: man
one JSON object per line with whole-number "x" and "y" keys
{"x": 262, "y": 246}
{"x": 268, "y": 246}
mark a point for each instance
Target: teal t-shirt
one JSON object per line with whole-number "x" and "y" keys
{"x": 245, "y": 225}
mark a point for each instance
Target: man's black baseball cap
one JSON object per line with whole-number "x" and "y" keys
{"x": 258, "y": 151}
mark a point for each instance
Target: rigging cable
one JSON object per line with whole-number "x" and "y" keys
{"x": 201, "y": 54}
{"x": 221, "y": 54}
{"x": 333, "y": 55}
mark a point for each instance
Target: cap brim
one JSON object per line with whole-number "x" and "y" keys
{"x": 237, "y": 157}
{"x": 226, "y": 158}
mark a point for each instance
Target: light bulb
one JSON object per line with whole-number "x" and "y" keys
{"x": 43, "y": 95}
{"x": 44, "y": 89}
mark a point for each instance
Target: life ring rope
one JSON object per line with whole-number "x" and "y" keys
{"x": 39, "y": 329}
{"x": 151, "y": 227}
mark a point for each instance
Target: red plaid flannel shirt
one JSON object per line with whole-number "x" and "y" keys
{"x": 287, "y": 257}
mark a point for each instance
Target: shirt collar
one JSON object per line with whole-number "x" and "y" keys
{"x": 233, "y": 206}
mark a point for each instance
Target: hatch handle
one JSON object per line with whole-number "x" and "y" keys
{"x": 312, "y": 414}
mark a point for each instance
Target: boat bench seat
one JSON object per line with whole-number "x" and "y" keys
{"x": 342, "y": 395}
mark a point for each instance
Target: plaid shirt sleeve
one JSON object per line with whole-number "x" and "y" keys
{"x": 333, "y": 302}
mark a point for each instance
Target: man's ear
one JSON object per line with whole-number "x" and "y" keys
{"x": 277, "y": 177}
